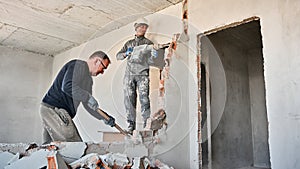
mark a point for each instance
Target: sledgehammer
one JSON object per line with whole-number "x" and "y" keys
{"x": 104, "y": 115}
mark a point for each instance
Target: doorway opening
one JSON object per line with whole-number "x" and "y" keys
{"x": 234, "y": 125}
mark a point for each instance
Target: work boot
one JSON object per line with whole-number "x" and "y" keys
{"x": 131, "y": 127}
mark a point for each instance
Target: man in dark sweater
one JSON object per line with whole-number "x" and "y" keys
{"x": 72, "y": 86}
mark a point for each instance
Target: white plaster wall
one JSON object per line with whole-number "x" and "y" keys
{"x": 280, "y": 35}
{"x": 25, "y": 77}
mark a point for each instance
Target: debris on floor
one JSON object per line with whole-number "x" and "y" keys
{"x": 135, "y": 152}
{"x": 77, "y": 155}
{"x": 37, "y": 159}
{"x": 5, "y": 157}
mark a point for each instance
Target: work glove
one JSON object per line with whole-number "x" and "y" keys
{"x": 154, "y": 53}
{"x": 110, "y": 121}
{"x": 92, "y": 103}
{"x": 128, "y": 51}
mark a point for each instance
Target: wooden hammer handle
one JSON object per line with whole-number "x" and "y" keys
{"x": 104, "y": 115}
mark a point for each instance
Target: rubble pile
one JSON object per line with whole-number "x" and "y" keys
{"x": 134, "y": 153}
{"x": 75, "y": 155}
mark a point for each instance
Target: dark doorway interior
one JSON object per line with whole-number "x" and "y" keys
{"x": 239, "y": 139}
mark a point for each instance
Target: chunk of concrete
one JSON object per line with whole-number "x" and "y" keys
{"x": 71, "y": 151}
{"x": 116, "y": 147}
{"x": 161, "y": 165}
{"x": 37, "y": 159}
{"x": 116, "y": 159}
{"x": 112, "y": 137}
{"x": 100, "y": 148}
{"x": 14, "y": 148}
{"x": 14, "y": 158}
{"x": 5, "y": 157}
{"x": 136, "y": 150}
{"x": 89, "y": 160}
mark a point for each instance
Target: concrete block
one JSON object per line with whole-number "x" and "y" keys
{"x": 136, "y": 150}
{"x": 116, "y": 147}
{"x": 100, "y": 148}
{"x": 35, "y": 160}
{"x": 70, "y": 151}
{"x": 112, "y": 137}
{"x": 5, "y": 157}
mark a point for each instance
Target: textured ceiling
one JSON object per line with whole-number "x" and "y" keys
{"x": 52, "y": 26}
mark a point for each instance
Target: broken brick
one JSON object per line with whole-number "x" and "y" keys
{"x": 55, "y": 161}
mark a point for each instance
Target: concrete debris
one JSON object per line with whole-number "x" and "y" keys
{"x": 147, "y": 136}
{"x": 37, "y": 159}
{"x": 161, "y": 165}
{"x": 101, "y": 148}
{"x": 136, "y": 137}
{"x": 117, "y": 159}
{"x": 64, "y": 155}
{"x": 15, "y": 148}
{"x": 142, "y": 143}
{"x": 104, "y": 147}
{"x": 88, "y": 161}
{"x": 141, "y": 163}
{"x": 14, "y": 158}
{"x": 136, "y": 150}
{"x": 116, "y": 147}
{"x": 70, "y": 151}
{"x": 5, "y": 157}
{"x": 157, "y": 121}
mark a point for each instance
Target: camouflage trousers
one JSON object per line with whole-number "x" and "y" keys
{"x": 132, "y": 84}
